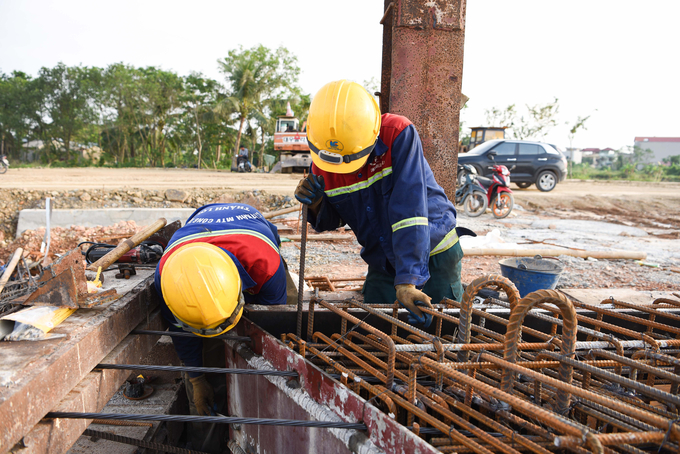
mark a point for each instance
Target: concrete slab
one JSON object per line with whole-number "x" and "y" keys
{"x": 596, "y": 296}
{"x": 34, "y": 219}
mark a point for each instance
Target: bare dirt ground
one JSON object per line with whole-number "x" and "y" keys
{"x": 617, "y": 197}
{"x": 654, "y": 208}
{"x": 133, "y": 178}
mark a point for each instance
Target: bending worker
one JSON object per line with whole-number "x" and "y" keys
{"x": 226, "y": 256}
{"x": 369, "y": 172}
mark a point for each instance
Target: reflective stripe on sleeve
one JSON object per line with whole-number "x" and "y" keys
{"x": 449, "y": 240}
{"x": 409, "y": 223}
{"x": 360, "y": 185}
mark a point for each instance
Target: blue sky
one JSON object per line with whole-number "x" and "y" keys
{"x": 614, "y": 60}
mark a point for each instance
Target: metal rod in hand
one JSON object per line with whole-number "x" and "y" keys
{"x": 301, "y": 282}
{"x": 209, "y": 419}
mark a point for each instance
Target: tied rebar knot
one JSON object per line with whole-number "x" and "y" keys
{"x": 667, "y": 437}
{"x": 591, "y": 440}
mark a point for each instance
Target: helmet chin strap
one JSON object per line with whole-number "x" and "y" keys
{"x": 336, "y": 158}
{"x": 218, "y": 329}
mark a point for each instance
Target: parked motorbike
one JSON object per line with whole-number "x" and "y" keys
{"x": 498, "y": 193}
{"x": 4, "y": 164}
{"x": 243, "y": 165}
{"x": 470, "y": 193}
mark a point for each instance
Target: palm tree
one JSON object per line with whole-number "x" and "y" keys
{"x": 248, "y": 76}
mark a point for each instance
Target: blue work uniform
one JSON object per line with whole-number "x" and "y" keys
{"x": 400, "y": 215}
{"x": 251, "y": 241}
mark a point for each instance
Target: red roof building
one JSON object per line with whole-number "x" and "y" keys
{"x": 662, "y": 147}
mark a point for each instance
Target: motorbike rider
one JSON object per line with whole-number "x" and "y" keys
{"x": 242, "y": 159}
{"x": 4, "y": 164}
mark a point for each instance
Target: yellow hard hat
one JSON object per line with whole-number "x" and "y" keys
{"x": 342, "y": 127}
{"x": 202, "y": 288}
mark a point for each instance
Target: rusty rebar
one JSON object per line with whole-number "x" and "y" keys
{"x": 301, "y": 281}
{"x": 517, "y": 314}
{"x": 649, "y": 418}
{"x": 560, "y": 400}
{"x": 633, "y": 438}
{"x": 384, "y": 338}
{"x": 468, "y": 298}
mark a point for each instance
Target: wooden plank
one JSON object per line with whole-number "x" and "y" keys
{"x": 38, "y": 375}
{"x": 320, "y": 237}
{"x": 596, "y": 296}
{"x": 273, "y": 214}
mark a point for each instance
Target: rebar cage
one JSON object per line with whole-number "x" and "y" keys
{"x": 537, "y": 374}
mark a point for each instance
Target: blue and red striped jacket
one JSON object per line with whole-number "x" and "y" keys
{"x": 250, "y": 240}
{"x": 399, "y": 213}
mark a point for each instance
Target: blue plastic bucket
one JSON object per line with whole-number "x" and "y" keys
{"x": 531, "y": 274}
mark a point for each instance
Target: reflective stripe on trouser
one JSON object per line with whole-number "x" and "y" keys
{"x": 444, "y": 282}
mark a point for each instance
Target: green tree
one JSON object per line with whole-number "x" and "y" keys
{"x": 672, "y": 160}
{"x": 275, "y": 108}
{"x": 498, "y": 118}
{"x": 534, "y": 124}
{"x": 162, "y": 91}
{"x": 119, "y": 100}
{"x": 199, "y": 99}
{"x": 20, "y": 102}
{"x": 539, "y": 120}
{"x": 255, "y": 77}
{"x": 580, "y": 123}
{"x": 67, "y": 102}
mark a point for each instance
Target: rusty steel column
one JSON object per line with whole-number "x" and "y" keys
{"x": 422, "y": 76}
{"x": 386, "y": 75}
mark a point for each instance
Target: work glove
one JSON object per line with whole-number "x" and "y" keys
{"x": 410, "y": 297}
{"x": 203, "y": 395}
{"x": 310, "y": 191}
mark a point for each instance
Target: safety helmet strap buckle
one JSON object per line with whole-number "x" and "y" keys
{"x": 218, "y": 329}
{"x": 336, "y": 158}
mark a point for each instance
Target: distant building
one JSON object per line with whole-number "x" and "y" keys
{"x": 601, "y": 157}
{"x": 663, "y": 147}
{"x": 574, "y": 155}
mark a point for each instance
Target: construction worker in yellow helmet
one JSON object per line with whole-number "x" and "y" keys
{"x": 227, "y": 255}
{"x": 369, "y": 172}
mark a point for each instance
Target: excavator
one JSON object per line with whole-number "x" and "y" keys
{"x": 291, "y": 141}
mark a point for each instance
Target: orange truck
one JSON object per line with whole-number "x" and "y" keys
{"x": 291, "y": 141}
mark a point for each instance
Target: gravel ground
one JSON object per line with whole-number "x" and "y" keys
{"x": 341, "y": 259}
{"x": 575, "y": 228}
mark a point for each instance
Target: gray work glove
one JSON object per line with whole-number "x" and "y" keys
{"x": 410, "y": 297}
